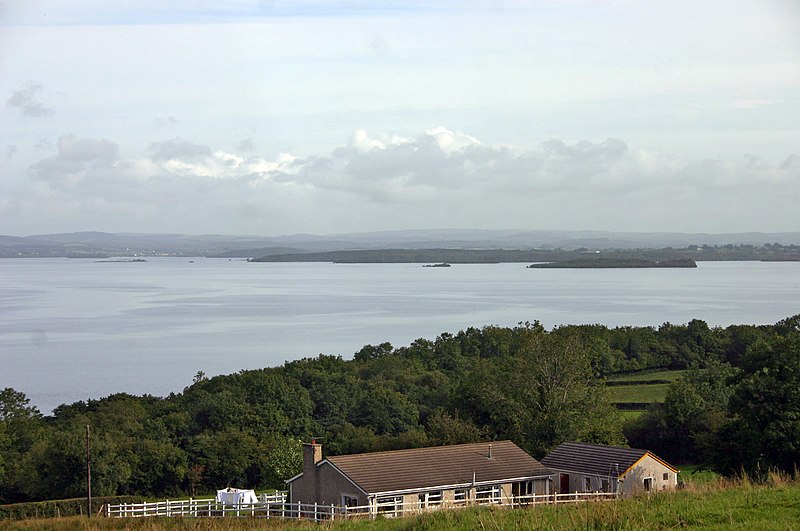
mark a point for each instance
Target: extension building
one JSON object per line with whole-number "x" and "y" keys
{"x": 583, "y": 467}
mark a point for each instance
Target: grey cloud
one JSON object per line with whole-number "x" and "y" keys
{"x": 11, "y": 150}
{"x": 75, "y": 155}
{"x": 177, "y": 148}
{"x": 422, "y": 163}
{"x": 424, "y": 169}
{"x": 26, "y": 99}
{"x": 423, "y": 181}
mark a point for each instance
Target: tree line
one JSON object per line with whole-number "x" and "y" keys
{"x": 737, "y": 409}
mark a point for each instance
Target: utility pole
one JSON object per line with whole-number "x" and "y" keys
{"x": 88, "y": 474}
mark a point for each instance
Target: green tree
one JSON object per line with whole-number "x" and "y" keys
{"x": 683, "y": 427}
{"x": 543, "y": 395}
{"x": 766, "y": 406}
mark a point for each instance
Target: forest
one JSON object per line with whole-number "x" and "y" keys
{"x": 735, "y": 410}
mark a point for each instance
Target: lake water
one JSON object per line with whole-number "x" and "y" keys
{"x": 77, "y": 329}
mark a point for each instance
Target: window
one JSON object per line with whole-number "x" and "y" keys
{"x": 488, "y": 494}
{"x": 587, "y": 484}
{"x": 390, "y": 505}
{"x": 348, "y": 500}
{"x": 459, "y": 496}
{"x": 666, "y": 476}
{"x": 604, "y": 485}
{"x": 648, "y": 484}
{"x": 430, "y": 499}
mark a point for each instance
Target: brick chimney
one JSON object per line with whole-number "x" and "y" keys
{"x": 312, "y": 454}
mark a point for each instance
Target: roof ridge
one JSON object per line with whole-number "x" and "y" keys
{"x": 611, "y": 446}
{"x": 384, "y": 452}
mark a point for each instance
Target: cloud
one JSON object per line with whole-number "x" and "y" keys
{"x": 76, "y": 158}
{"x": 11, "y": 150}
{"x": 177, "y": 149}
{"x": 441, "y": 160}
{"x": 26, "y": 99}
{"x": 441, "y": 177}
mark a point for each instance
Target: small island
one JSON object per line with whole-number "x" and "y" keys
{"x": 614, "y": 263}
{"x": 443, "y": 264}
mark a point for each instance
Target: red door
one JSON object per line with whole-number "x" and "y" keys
{"x": 564, "y": 483}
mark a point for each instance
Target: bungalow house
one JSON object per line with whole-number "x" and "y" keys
{"x": 583, "y": 467}
{"x": 419, "y": 478}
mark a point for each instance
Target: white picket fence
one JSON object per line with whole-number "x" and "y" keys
{"x": 276, "y": 506}
{"x": 194, "y": 507}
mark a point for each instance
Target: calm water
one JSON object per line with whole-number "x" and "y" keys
{"x": 76, "y": 329}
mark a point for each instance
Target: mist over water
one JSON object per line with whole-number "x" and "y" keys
{"x": 76, "y": 329}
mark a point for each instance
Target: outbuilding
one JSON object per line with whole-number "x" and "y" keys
{"x": 584, "y": 467}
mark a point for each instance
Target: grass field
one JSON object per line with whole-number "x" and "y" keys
{"x": 638, "y": 393}
{"x": 645, "y": 376}
{"x": 714, "y": 505}
{"x": 630, "y": 414}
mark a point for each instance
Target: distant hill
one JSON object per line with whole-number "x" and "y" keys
{"x": 143, "y": 244}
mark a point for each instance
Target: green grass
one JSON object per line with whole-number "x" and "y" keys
{"x": 628, "y": 415}
{"x": 697, "y": 475}
{"x": 639, "y": 390}
{"x": 638, "y": 393}
{"x": 716, "y": 505}
{"x": 644, "y": 376}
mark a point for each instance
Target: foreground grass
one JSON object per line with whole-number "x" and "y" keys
{"x": 715, "y": 505}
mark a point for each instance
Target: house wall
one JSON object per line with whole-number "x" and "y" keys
{"x": 330, "y": 484}
{"x": 577, "y": 482}
{"x": 329, "y": 487}
{"x": 633, "y": 481}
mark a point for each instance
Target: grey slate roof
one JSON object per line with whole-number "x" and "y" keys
{"x": 596, "y": 458}
{"x": 420, "y": 468}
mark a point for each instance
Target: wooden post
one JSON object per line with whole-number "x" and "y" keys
{"x": 88, "y": 474}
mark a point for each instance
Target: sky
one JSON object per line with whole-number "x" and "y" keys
{"x": 282, "y": 117}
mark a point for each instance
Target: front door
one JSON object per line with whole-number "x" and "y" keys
{"x": 564, "y": 483}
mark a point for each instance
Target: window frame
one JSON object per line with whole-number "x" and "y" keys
{"x": 388, "y": 505}
{"x": 431, "y": 498}
{"x": 490, "y": 493}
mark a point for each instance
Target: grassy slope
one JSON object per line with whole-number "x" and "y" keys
{"x": 645, "y": 376}
{"x": 642, "y": 392}
{"x": 638, "y": 393}
{"x": 715, "y": 505}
